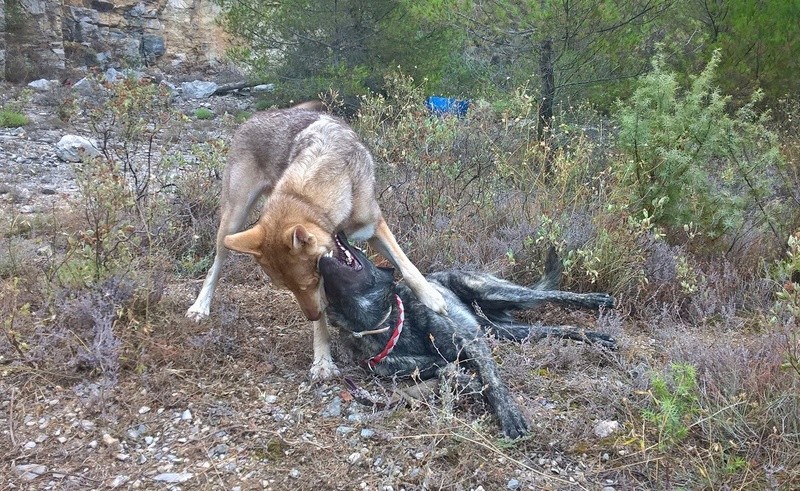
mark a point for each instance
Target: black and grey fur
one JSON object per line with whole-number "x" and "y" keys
{"x": 360, "y": 294}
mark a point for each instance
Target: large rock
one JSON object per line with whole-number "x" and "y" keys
{"x": 73, "y": 148}
{"x": 198, "y": 89}
{"x": 166, "y": 33}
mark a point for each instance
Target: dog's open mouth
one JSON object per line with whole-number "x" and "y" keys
{"x": 343, "y": 255}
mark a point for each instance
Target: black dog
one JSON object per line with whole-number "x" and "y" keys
{"x": 384, "y": 324}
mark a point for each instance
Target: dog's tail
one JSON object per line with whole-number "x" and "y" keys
{"x": 553, "y": 269}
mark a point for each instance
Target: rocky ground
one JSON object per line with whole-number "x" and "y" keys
{"x": 226, "y": 404}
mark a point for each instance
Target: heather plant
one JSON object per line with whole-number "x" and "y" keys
{"x": 712, "y": 166}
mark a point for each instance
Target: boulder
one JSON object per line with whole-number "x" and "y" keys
{"x": 73, "y": 148}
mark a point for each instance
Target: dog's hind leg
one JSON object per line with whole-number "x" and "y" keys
{"x": 235, "y": 204}
{"x": 521, "y": 332}
{"x": 387, "y": 245}
{"x": 494, "y": 295}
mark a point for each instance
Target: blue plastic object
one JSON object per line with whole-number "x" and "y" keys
{"x": 442, "y": 106}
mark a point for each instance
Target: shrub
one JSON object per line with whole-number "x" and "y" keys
{"x": 675, "y": 404}
{"x": 704, "y": 165}
{"x": 12, "y": 119}
{"x": 203, "y": 113}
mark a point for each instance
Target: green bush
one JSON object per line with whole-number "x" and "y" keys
{"x": 690, "y": 159}
{"x": 12, "y": 119}
{"x": 203, "y": 113}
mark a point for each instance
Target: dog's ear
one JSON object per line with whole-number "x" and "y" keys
{"x": 299, "y": 237}
{"x": 249, "y": 241}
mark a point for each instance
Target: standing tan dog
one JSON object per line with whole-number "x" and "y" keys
{"x": 318, "y": 179}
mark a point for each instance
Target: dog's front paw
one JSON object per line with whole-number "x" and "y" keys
{"x": 432, "y": 299}
{"x": 196, "y": 315}
{"x": 323, "y": 369}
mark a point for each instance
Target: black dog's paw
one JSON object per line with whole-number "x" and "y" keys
{"x": 602, "y": 300}
{"x": 512, "y": 422}
{"x": 601, "y": 339}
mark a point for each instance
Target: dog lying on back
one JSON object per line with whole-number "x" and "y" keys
{"x": 383, "y": 323}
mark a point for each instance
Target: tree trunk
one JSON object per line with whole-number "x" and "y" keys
{"x": 546, "y": 100}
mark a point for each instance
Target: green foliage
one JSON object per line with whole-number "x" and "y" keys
{"x": 347, "y": 45}
{"x": 203, "y": 113}
{"x": 687, "y": 153}
{"x": 127, "y": 121}
{"x": 108, "y": 242}
{"x": 675, "y": 397}
{"x": 12, "y": 119}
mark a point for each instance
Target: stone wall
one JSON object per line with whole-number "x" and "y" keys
{"x": 42, "y": 38}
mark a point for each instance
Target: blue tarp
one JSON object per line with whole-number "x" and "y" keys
{"x": 441, "y": 106}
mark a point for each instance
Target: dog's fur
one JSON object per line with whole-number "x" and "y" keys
{"x": 360, "y": 295}
{"x": 318, "y": 179}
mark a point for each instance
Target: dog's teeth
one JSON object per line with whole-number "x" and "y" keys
{"x": 329, "y": 254}
{"x": 348, "y": 257}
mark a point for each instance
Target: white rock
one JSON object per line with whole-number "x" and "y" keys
{"x": 605, "y": 429}
{"x": 74, "y": 148}
{"x": 174, "y": 477}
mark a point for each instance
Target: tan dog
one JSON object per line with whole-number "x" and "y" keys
{"x": 318, "y": 179}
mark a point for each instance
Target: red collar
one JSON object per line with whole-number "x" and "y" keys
{"x": 398, "y": 328}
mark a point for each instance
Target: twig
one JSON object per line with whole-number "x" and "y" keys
{"x": 11, "y": 418}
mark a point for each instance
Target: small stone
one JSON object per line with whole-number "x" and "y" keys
{"x": 419, "y": 455}
{"x": 344, "y": 430}
{"x": 109, "y": 440}
{"x": 609, "y": 488}
{"x": 122, "y": 457}
{"x": 333, "y": 409}
{"x": 605, "y": 429}
{"x": 144, "y": 409}
{"x": 29, "y": 472}
{"x": 174, "y": 477}
{"x": 218, "y": 450}
{"x": 512, "y": 484}
{"x": 354, "y": 458}
{"x": 29, "y": 446}
{"x": 367, "y": 433}
{"x": 294, "y": 474}
{"x": 186, "y": 415}
{"x": 118, "y": 481}
{"x": 271, "y": 399}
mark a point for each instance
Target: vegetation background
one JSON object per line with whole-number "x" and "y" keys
{"x": 654, "y": 143}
